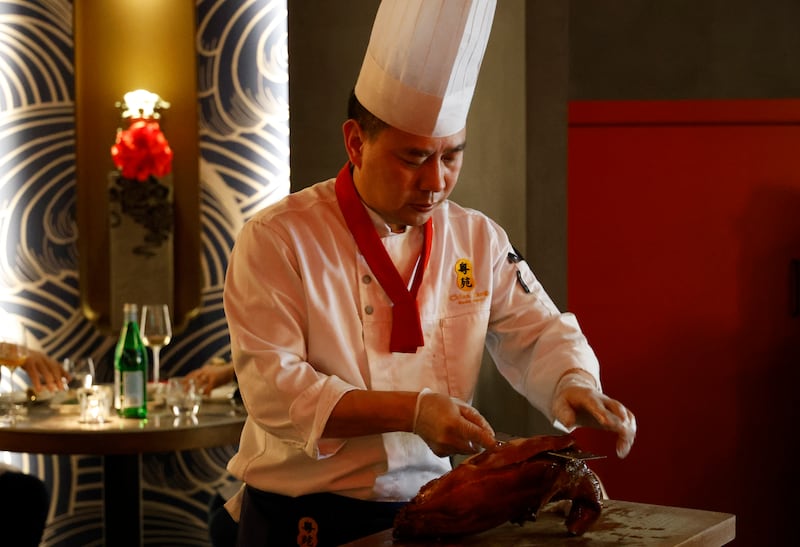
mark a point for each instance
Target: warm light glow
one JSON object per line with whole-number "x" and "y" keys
{"x": 142, "y": 104}
{"x": 147, "y": 47}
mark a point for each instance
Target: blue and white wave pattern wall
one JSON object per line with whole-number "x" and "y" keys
{"x": 244, "y": 166}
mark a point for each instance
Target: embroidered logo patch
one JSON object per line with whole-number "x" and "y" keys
{"x": 464, "y": 275}
{"x": 307, "y": 532}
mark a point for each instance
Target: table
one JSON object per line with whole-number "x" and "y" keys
{"x": 121, "y": 442}
{"x": 620, "y": 523}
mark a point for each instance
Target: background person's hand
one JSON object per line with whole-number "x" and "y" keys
{"x": 451, "y": 426}
{"x": 212, "y": 375}
{"x": 578, "y": 402}
{"x": 45, "y": 372}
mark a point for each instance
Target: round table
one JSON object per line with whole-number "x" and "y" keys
{"x": 121, "y": 442}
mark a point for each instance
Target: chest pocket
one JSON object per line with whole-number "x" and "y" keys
{"x": 449, "y": 362}
{"x": 463, "y": 340}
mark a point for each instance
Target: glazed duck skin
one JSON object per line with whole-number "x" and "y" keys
{"x": 508, "y": 482}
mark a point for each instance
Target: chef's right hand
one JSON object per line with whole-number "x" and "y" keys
{"x": 579, "y": 402}
{"x": 451, "y": 426}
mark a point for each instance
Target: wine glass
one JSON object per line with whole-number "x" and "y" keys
{"x": 81, "y": 370}
{"x": 13, "y": 352}
{"x": 156, "y": 331}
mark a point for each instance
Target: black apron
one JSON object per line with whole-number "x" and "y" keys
{"x": 312, "y": 520}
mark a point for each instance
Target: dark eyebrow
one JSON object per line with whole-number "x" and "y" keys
{"x": 423, "y": 153}
{"x": 458, "y": 148}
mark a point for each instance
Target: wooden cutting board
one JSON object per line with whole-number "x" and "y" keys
{"x": 621, "y": 523}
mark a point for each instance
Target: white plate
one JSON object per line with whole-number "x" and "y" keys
{"x": 221, "y": 394}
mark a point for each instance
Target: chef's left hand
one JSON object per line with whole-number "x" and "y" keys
{"x": 578, "y": 402}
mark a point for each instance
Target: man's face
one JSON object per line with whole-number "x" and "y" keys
{"x": 404, "y": 177}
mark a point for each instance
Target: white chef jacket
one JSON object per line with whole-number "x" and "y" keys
{"x": 308, "y": 322}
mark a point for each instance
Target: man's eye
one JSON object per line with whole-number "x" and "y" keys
{"x": 451, "y": 158}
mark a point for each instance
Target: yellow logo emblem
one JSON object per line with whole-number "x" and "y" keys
{"x": 464, "y": 275}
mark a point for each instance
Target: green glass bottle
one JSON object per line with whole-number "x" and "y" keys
{"x": 130, "y": 368}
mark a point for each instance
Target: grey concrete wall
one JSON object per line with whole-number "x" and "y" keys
{"x": 326, "y": 47}
{"x": 684, "y": 49}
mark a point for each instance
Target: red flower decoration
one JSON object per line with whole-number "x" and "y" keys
{"x": 142, "y": 151}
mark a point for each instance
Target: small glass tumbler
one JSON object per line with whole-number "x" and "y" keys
{"x": 95, "y": 404}
{"x": 183, "y": 397}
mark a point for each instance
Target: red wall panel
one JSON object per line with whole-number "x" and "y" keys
{"x": 683, "y": 220}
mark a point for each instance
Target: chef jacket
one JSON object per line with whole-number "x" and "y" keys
{"x": 309, "y": 322}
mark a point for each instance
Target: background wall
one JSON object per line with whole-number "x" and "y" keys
{"x": 243, "y": 104}
{"x": 683, "y": 49}
{"x": 683, "y": 193}
{"x": 683, "y": 228}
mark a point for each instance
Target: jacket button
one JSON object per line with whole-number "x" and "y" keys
{"x": 368, "y": 310}
{"x": 367, "y": 279}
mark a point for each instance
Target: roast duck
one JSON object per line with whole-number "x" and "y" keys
{"x": 508, "y": 482}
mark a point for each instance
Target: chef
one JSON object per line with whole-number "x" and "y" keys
{"x": 359, "y": 307}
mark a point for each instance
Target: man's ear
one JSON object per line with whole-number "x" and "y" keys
{"x": 353, "y": 141}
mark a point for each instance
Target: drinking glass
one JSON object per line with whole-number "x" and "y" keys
{"x": 183, "y": 397}
{"x": 13, "y": 352}
{"x": 156, "y": 331}
{"x": 95, "y": 403}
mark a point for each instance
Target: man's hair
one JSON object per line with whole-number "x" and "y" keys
{"x": 369, "y": 122}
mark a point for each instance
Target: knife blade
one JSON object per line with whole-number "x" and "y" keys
{"x": 571, "y": 454}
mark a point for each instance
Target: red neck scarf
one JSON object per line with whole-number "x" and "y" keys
{"x": 406, "y": 327}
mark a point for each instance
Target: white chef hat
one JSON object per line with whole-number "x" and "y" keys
{"x": 422, "y": 63}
